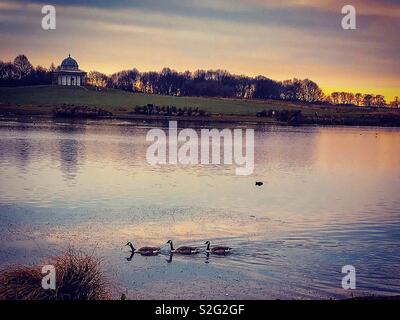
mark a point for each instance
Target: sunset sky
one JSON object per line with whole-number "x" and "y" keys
{"x": 277, "y": 39}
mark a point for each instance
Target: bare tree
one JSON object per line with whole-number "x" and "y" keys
{"x": 23, "y": 67}
{"x": 368, "y": 99}
{"x": 310, "y": 91}
{"x": 380, "y": 101}
{"x": 395, "y": 102}
{"x": 97, "y": 79}
{"x": 335, "y": 97}
{"x": 358, "y": 98}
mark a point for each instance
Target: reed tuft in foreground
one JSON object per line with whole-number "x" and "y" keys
{"x": 78, "y": 277}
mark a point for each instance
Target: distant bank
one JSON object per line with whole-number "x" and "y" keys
{"x": 41, "y": 101}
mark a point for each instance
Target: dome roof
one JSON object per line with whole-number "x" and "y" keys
{"x": 69, "y": 62}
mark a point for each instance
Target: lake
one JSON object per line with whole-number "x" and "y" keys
{"x": 330, "y": 198}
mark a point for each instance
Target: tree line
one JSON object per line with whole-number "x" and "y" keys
{"x": 21, "y": 72}
{"x": 359, "y": 99}
{"x": 210, "y": 83}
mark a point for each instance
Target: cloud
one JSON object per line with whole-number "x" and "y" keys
{"x": 279, "y": 40}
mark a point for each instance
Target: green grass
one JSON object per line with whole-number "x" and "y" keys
{"x": 115, "y": 100}
{"x": 118, "y": 102}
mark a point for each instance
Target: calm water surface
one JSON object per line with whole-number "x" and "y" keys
{"x": 330, "y": 198}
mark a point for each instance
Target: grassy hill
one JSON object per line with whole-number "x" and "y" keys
{"x": 117, "y": 100}
{"x": 42, "y": 99}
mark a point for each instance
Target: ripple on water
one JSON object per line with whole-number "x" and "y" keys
{"x": 89, "y": 185}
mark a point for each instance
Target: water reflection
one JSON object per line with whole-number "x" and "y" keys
{"x": 370, "y": 149}
{"x": 330, "y": 198}
{"x": 130, "y": 257}
{"x": 72, "y": 152}
{"x": 284, "y": 148}
{"x": 23, "y": 151}
{"x": 69, "y": 157}
{"x": 169, "y": 257}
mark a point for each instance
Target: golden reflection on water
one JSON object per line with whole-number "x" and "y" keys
{"x": 326, "y": 190}
{"x": 181, "y": 232}
{"x": 364, "y": 150}
{"x": 306, "y": 171}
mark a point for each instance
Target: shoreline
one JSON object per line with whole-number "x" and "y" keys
{"x": 372, "y": 119}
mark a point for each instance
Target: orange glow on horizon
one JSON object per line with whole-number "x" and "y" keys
{"x": 248, "y": 40}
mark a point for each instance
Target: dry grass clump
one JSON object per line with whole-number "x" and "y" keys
{"x": 78, "y": 277}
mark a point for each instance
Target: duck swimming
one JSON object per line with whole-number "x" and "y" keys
{"x": 217, "y": 250}
{"x": 144, "y": 251}
{"x": 183, "y": 250}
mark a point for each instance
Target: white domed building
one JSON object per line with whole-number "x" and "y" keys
{"x": 68, "y": 73}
